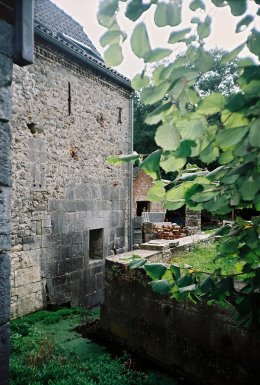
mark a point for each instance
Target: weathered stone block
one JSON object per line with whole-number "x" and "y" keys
{"x": 5, "y": 103}
{"x": 6, "y": 39}
{"x": 4, "y": 354}
{"x": 5, "y": 154}
{"x": 5, "y": 270}
{"x": 27, "y": 275}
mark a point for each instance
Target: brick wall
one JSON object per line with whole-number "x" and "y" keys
{"x": 63, "y": 188}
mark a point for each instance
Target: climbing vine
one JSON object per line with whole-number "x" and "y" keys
{"x": 187, "y": 130}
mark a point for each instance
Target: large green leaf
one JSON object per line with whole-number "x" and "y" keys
{"x": 140, "y": 41}
{"x": 238, "y": 7}
{"x": 140, "y": 81}
{"x": 249, "y": 186}
{"x": 137, "y": 262}
{"x": 167, "y": 14}
{"x": 254, "y": 133}
{"x": 212, "y": 104}
{"x": 177, "y": 36}
{"x": 253, "y": 43}
{"x": 196, "y": 4}
{"x": 155, "y": 270}
{"x": 204, "y": 196}
{"x": 157, "y": 192}
{"x": 184, "y": 149}
{"x": 233, "y": 54}
{"x": 176, "y": 271}
{"x": 203, "y": 29}
{"x": 193, "y": 128}
{"x": 167, "y": 137}
{"x": 171, "y": 163}
{"x": 242, "y": 24}
{"x": 226, "y": 157}
{"x": 175, "y": 196}
{"x": 119, "y": 159}
{"x": 209, "y": 154}
{"x": 110, "y": 37}
{"x": 233, "y": 119}
{"x": 156, "y": 115}
{"x": 231, "y": 136}
{"x": 113, "y": 55}
{"x": 161, "y": 286}
{"x": 151, "y": 95}
{"x": 151, "y": 164}
{"x": 156, "y": 54}
{"x": 135, "y": 8}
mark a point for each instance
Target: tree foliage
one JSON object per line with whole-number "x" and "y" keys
{"x": 185, "y": 131}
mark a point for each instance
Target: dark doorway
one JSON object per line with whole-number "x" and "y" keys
{"x": 176, "y": 216}
{"x": 142, "y": 206}
{"x": 96, "y": 243}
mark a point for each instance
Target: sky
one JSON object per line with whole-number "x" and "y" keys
{"x": 223, "y": 29}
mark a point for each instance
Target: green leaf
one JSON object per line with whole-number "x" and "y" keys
{"x": 253, "y": 43}
{"x": 110, "y": 37}
{"x": 207, "y": 285}
{"x": 184, "y": 149}
{"x": 140, "y": 41}
{"x": 177, "y": 36}
{"x": 249, "y": 187}
{"x": 209, "y": 154}
{"x": 136, "y": 262}
{"x": 234, "y": 119}
{"x": 151, "y": 164}
{"x": 184, "y": 281}
{"x": 196, "y": 4}
{"x": 226, "y": 157}
{"x": 175, "y": 196}
{"x": 119, "y": 159}
{"x": 108, "y": 7}
{"x": 212, "y": 104}
{"x": 192, "y": 287}
{"x": 254, "y": 133}
{"x": 192, "y": 96}
{"x": 238, "y": 7}
{"x": 135, "y": 8}
{"x": 151, "y": 95}
{"x": 113, "y": 55}
{"x": 231, "y": 136}
{"x": 230, "y": 246}
{"x": 156, "y": 115}
{"x": 157, "y": 192}
{"x": 155, "y": 270}
{"x": 176, "y": 271}
{"x": 140, "y": 81}
{"x": 193, "y": 128}
{"x": 204, "y": 196}
{"x": 161, "y": 286}
{"x": 171, "y": 163}
{"x": 203, "y": 29}
{"x": 156, "y": 54}
{"x": 242, "y": 24}
{"x": 232, "y": 55}
{"x": 167, "y": 14}
{"x": 167, "y": 137}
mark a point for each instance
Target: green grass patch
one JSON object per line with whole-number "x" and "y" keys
{"x": 201, "y": 258}
{"x": 46, "y": 350}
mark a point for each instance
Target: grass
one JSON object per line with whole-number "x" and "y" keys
{"x": 46, "y": 350}
{"x": 201, "y": 258}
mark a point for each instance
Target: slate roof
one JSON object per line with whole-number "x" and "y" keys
{"x": 56, "y": 26}
{"x": 54, "y": 18}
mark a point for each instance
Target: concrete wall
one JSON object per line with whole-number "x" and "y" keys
{"x": 62, "y": 187}
{"x": 6, "y": 68}
{"x": 202, "y": 342}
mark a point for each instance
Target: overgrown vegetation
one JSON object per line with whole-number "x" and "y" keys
{"x": 46, "y": 350}
{"x": 188, "y": 129}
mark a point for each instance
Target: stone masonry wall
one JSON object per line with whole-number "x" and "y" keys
{"x": 6, "y": 68}
{"x": 67, "y": 201}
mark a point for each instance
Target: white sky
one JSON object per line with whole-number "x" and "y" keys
{"x": 223, "y": 28}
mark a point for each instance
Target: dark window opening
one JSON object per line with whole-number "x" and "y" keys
{"x": 69, "y": 98}
{"x": 142, "y": 206}
{"x": 119, "y": 120}
{"x": 96, "y": 243}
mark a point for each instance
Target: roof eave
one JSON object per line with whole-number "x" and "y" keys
{"x": 93, "y": 63}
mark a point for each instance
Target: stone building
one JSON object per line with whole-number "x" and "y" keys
{"x": 70, "y": 209}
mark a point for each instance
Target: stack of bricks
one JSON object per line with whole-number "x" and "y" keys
{"x": 171, "y": 231}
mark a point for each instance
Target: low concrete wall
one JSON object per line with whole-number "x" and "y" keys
{"x": 201, "y": 341}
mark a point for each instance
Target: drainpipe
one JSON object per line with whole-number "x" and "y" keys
{"x": 130, "y": 179}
